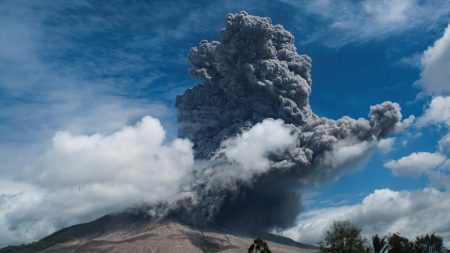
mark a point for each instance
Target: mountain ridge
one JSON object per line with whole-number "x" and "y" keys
{"x": 138, "y": 232}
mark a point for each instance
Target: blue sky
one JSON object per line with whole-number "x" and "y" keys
{"x": 93, "y": 67}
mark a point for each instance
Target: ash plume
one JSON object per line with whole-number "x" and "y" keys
{"x": 255, "y": 79}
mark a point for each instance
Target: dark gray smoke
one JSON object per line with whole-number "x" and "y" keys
{"x": 255, "y": 73}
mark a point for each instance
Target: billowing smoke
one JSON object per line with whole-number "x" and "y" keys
{"x": 252, "y": 81}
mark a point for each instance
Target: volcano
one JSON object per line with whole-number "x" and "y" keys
{"x": 137, "y": 232}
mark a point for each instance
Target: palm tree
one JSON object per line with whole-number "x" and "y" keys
{"x": 379, "y": 244}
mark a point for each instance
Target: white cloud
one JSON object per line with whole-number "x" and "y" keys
{"x": 435, "y": 79}
{"x": 14, "y": 197}
{"x": 438, "y": 112}
{"x": 405, "y": 123}
{"x": 134, "y": 155}
{"x": 347, "y": 152}
{"x": 415, "y": 164}
{"x": 358, "y": 21}
{"x": 389, "y": 12}
{"x": 82, "y": 177}
{"x": 246, "y": 155}
{"x": 440, "y": 178}
{"x": 384, "y": 211}
{"x": 435, "y": 76}
{"x": 444, "y": 144}
{"x": 251, "y": 148}
{"x": 385, "y": 145}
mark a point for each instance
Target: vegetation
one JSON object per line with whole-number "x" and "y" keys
{"x": 398, "y": 244}
{"x": 379, "y": 244}
{"x": 430, "y": 244}
{"x": 259, "y": 246}
{"x": 344, "y": 237}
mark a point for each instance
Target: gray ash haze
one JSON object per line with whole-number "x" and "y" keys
{"x": 254, "y": 82}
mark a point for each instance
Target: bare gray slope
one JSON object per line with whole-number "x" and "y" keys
{"x": 166, "y": 237}
{"x": 136, "y": 232}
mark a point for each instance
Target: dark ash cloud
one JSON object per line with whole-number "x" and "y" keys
{"x": 255, "y": 73}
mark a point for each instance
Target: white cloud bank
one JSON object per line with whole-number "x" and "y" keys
{"x": 384, "y": 211}
{"x": 444, "y": 144}
{"x": 415, "y": 164}
{"x": 435, "y": 77}
{"x": 438, "y": 112}
{"x": 433, "y": 164}
{"x": 134, "y": 156}
{"x": 82, "y": 177}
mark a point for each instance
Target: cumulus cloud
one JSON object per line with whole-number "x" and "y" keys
{"x": 438, "y": 112}
{"x": 251, "y": 149}
{"x": 384, "y": 211}
{"x": 444, "y": 144}
{"x": 440, "y": 178}
{"x": 134, "y": 155}
{"x": 385, "y": 145}
{"x": 421, "y": 211}
{"x": 415, "y": 164}
{"x": 435, "y": 80}
{"x": 16, "y": 196}
{"x": 82, "y": 177}
{"x": 435, "y": 76}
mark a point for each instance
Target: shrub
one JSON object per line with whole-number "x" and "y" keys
{"x": 343, "y": 237}
{"x": 259, "y": 246}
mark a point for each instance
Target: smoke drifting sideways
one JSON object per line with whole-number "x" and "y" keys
{"x": 256, "y": 140}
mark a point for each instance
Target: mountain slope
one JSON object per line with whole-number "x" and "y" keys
{"x": 136, "y": 233}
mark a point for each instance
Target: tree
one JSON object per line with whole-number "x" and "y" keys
{"x": 259, "y": 246}
{"x": 379, "y": 244}
{"x": 399, "y": 244}
{"x": 429, "y": 244}
{"x": 343, "y": 237}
